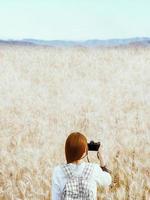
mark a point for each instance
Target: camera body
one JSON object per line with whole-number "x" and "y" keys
{"x": 93, "y": 146}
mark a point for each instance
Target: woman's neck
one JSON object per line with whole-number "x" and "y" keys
{"x": 77, "y": 162}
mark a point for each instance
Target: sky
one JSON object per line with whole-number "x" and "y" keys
{"x": 74, "y": 19}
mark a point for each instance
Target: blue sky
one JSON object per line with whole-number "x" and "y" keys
{"x": 74, "y": 19}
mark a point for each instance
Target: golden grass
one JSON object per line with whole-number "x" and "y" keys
{"x": 46, "y": 93}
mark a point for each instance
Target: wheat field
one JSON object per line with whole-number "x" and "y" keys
{"x": 48, "y": 92}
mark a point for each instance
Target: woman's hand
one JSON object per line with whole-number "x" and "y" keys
{"x": 100, "y": 156}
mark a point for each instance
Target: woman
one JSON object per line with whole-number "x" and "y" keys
{"x": 78, "y": 179}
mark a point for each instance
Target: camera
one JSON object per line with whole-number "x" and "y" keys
{"x": 93, "y": 146}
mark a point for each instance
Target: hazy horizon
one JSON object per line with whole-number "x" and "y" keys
{"x": 74, "y": 20}
{"x": 92, "y": 39}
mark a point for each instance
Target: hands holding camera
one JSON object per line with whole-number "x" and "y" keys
{"x": 96, "y": 146}
{"x": 92, "y": 146}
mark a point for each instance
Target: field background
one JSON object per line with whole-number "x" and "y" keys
{"x": 48, "y": 92}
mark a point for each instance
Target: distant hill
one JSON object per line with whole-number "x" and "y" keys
{"x": 87, "y": 43}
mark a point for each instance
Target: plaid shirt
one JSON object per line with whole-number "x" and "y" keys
{"x": 78, "y": 187}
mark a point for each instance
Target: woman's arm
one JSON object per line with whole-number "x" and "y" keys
{"x": 102, "y": 174}
{"x": 102, "y": 178}
{"x": 55, "y": 191}
{"x": 101, "y": 159}
{"x": 102, "y": 163}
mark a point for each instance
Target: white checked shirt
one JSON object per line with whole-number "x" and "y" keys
{"x": 59, "y": 178}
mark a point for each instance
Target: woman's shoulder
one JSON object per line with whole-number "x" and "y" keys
{"x": 58, "y": 169}
{"x": 58, "y": 175}
{"x": 95, "y": 166}
{"x": 96, "y": 169}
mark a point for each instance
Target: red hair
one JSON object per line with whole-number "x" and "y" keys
{"x": 75, "y": 147}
